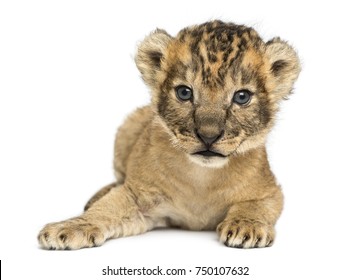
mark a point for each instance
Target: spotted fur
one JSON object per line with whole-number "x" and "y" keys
{"x": 164, "y": 175}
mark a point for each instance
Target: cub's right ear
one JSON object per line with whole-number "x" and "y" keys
{"x": 150, "y": 54}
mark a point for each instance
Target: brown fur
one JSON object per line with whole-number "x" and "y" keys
{"x": 160, "y": 182}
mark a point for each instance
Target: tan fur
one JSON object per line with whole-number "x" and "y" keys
{"x": 161, "y": 182}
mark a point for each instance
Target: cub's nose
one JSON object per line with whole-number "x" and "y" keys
{"x": 208, "y": 140}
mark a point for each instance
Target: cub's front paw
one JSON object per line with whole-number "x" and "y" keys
{"x": 246, "y": 234}
{"x": 71, "y": 234}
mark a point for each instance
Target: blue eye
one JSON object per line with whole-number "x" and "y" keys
{"x": 242, "y": 97}
{"x": 184, "y": 93}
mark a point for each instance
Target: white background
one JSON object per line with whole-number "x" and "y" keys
{"x": 68, "y": 80}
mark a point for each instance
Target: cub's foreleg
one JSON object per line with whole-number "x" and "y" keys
{"x": 113, "y": 215}
{"x": 250, "y": 224}
{"x": 98, "y": 195}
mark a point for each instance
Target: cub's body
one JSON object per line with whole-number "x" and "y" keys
{"x": 187, "y": 195}
{"x": 195, "y": 157}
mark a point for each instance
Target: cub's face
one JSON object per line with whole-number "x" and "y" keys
{"x": 216, "y": 87}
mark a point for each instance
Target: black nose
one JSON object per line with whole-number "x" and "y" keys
{"x": 208, "y": 140}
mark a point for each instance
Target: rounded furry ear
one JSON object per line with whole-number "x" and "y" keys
{"x": 284, "y": 65}
{"x": 150, "y": 53}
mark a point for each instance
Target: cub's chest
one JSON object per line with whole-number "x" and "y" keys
{"x": 200, "y": 202}
{"x": 198, "y": 212}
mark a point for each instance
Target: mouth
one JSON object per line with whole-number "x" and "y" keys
{"x": 209, "y": 153}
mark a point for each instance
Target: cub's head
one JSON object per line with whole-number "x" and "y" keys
{"x": 216, "y": 87}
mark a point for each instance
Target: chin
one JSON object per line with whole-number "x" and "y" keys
{"x": 209, "y": 162}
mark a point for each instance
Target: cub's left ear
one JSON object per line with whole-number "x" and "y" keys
{"x": 150, "y": 55}
{"x": 284, "y": 66}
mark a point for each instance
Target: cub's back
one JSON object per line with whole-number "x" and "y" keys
{"x": 127, "y": 136}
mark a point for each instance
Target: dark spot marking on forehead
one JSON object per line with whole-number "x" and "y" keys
{"x": 179, "y": 69}
{"x": 247, "y": 75}
{"x": 194, "y": 46}
{"x": 201, "y": 60}
{"x": 212, "y": 57}
{"x": 207, "y": 77}
{"x": 222, "y": 71}
{"x": 242, "y": 44}
{"x": 213, "y": 26}
{"x": 196, "y": 33}
{"x": 252, "y": 76}
{"x": 220, "y": 40}
{"x": 227, "y": 53}
{"x": 235, "y": 64}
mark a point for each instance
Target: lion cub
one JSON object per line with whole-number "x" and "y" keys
{"x": 194, "y": 158}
